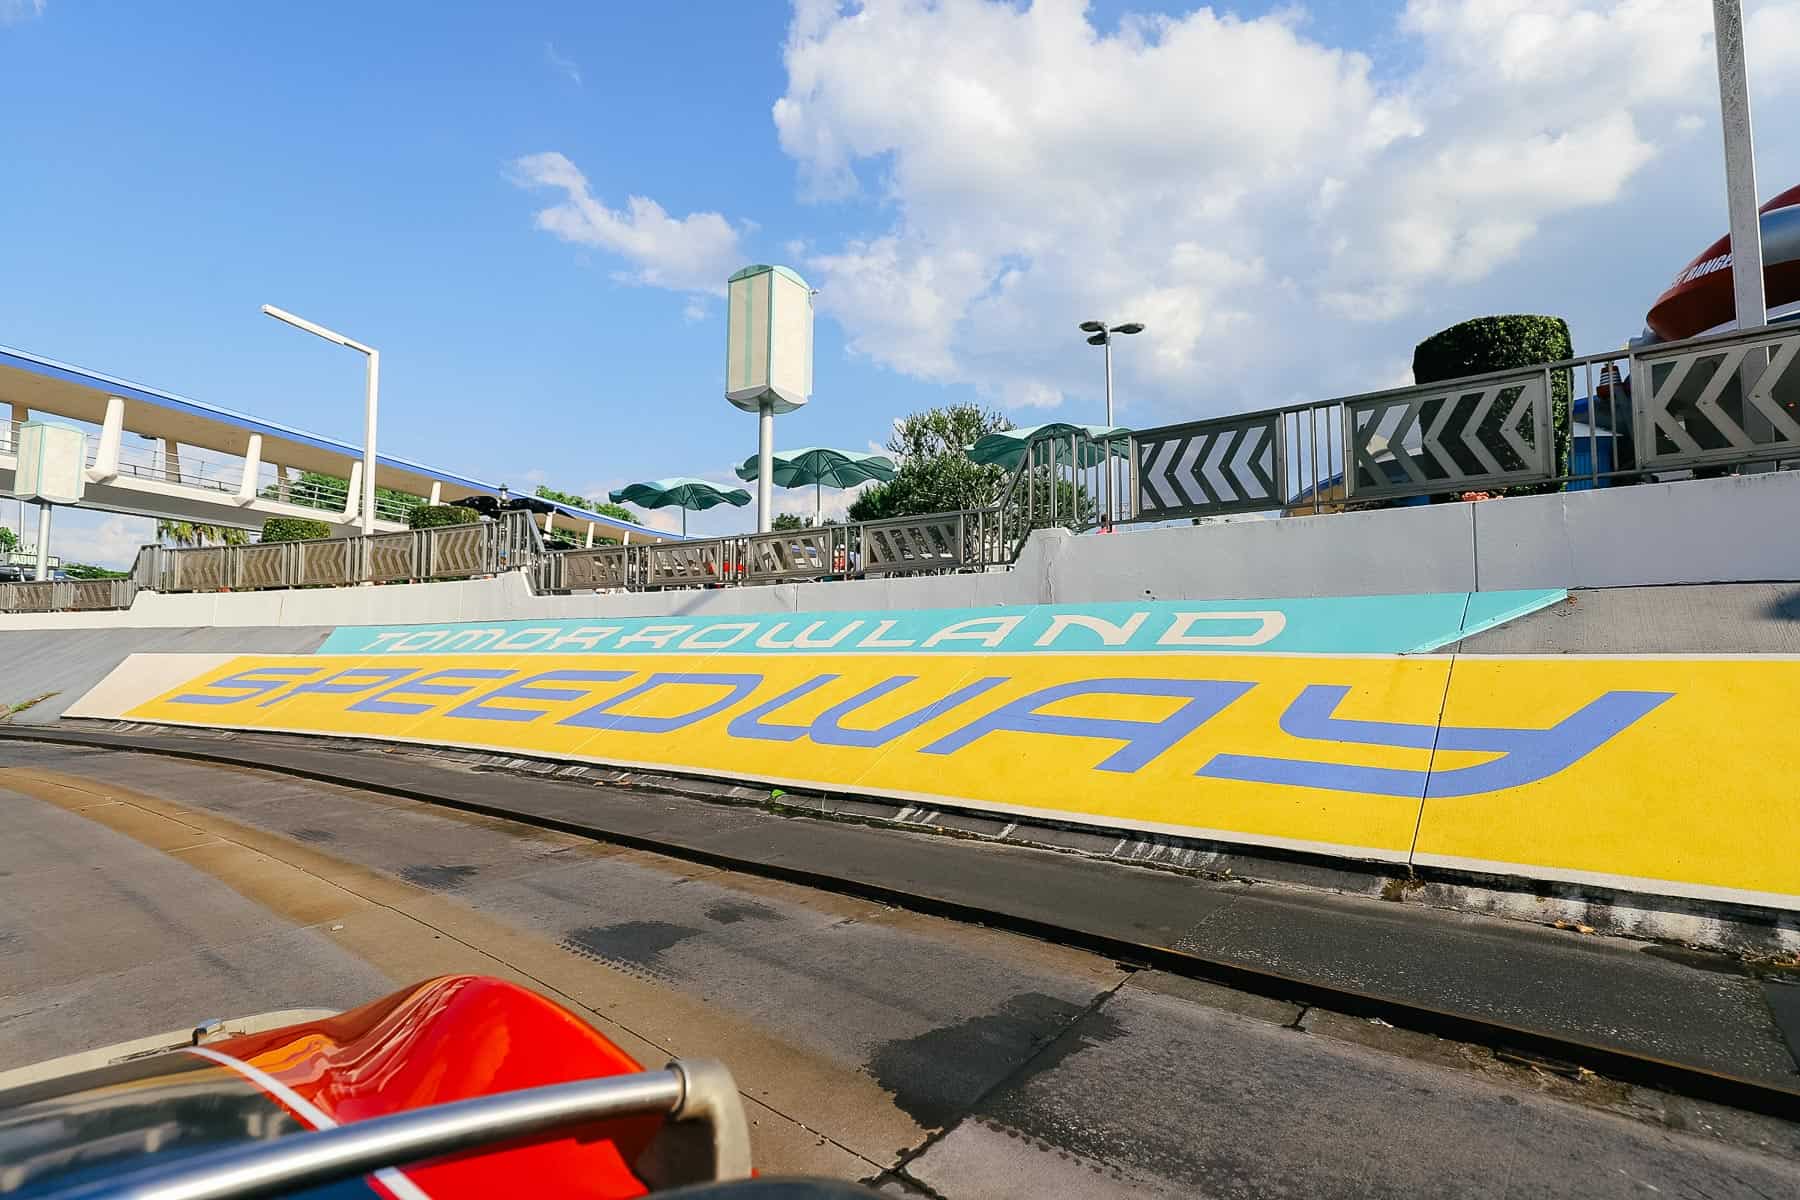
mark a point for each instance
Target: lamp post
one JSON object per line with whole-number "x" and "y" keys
{"x": 371, "y": 391}
{"x": 1099, "y": 334}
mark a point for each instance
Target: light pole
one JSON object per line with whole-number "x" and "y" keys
{"x": 1100, "y": 335}
{"x": 372, "y": 390}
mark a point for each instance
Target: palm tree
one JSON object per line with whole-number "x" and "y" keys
{"x": 189, "y": 533}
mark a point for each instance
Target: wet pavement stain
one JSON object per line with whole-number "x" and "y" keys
{"x": 936, "y": 1075}
{"x": 730, "y": 912}
{"x": 443, "y": 877}
{"x": 636, "y": 947}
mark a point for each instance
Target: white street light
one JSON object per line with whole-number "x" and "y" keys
{"x": 1100, "y": 335}
{"x": 373, "y": 380}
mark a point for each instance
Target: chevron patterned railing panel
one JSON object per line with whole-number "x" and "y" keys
{"x": 263, "y": 566}
{"x": 931, "y": 543}
{"x": 791, "y": 554}
{"x": 1718, "y": 404}
{"x": 686, "y": 564}
{"x": 1232, "y": 464}
{"x": 392, "y": 557}
{"x": 1479, "y": 434}
{"x": 326, "y": 562}
{"x": 605, "y": 569}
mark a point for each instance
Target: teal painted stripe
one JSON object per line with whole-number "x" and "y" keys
{"x": 1489, "y": 610}
{"x": 1324, "y": 625}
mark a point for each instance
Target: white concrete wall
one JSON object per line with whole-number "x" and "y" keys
{"x": 1737, "y": 529}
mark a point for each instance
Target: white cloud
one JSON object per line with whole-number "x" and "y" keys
{"x": 1232, "y": 182}
{"x": 693, "y": 254}
{"x": 101, "y": 539}
{"x": 564, "y": 66}
{"x": 20, "y": 10}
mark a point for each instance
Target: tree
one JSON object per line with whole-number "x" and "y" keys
{"x": 604, "y": 507}
{"x": 294, "y": 529}
{"x": 9, "y": 541}
{"x": 934, "y": 474}
{"x": 190, "y": 533}
{"x": 89, "y": 571}
{"x": 785, "y": 522}
{"x": 315, "y": 489}
{"x": 1500, "y": 343}
{"x": 436, "y": 516}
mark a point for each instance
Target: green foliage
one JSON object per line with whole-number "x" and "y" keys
{"x": 604, "y": 507}
{"x": 934, "y": 474}
{"x": 784, "y": 522}
{"x": 433, "y": 516}
{"x": 9, "y": 541}
{"x": 315, "y": 489}
{"x": 189, "y": 533}
{"x": 1501, "y": 343}
{"x": 90, "y": 571}
{"x": 561, "y": 541}
{"x": 294, "y": 529}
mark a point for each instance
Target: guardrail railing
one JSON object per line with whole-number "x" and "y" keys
{"x": 1658, "y": 412}
{"x": 1702, "y": 406}
{"x": 939, "y": 543}
{"x": 417, "y": 555}
{"x": 67, "y": 595}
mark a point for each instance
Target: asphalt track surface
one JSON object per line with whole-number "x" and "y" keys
{"x": 936, "y": 1056}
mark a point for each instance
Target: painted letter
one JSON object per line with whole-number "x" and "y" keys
{"x": 1526, "y": 755}
{"x": 697, "y": 640}
{"x": 252, "y": 683}
{"x": 969, "y": 631}
{"x": 470, "y": 639}
{"x": 1110, "y": 634}
{"x": 342, "y": 683}
{"x": 479, "y": 709}
{"x": 1273, "y": 621}
{"x": 1144, "y": 740}
{"x": 585, "y": 636}
{"x": 828, "y": 730}
{"x": 422, "y": 686}
{"x": 601, "y": 716}
{"x": 536, "y": 637}
{"x": 878, "y": 640}
{"x": 752, "y": 725}
{"x": 656, "y": 635}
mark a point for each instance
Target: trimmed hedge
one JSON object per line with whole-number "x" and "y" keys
{"x": 1501, "y": 343}
{"x": 433, "y": 516}
{"x": 294, "y": 529}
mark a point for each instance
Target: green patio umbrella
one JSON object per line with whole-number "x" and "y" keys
{"x": 683, "y": 490}
{"x": 822, "y": 466}
{"x": 1006, "y": 448}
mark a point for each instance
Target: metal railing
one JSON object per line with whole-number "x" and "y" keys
{"x": 940, "y": 543}
{"x": 1705, "y": 405}
{"x": 416, "y": 555}
{"x": 67, "y": 595}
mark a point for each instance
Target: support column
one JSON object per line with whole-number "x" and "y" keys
{"x": 590, "y": 535}
{"x": 353, "y": 493}
{"x": 437, "y": 492}
{"x": 112, "y": 433}
{"x": 43, "y": 542}
{"x": 171, "y": 450}
{"x": 1750, "y": 300}
{"x": 765, "y": 466}
{"x": 252, "y": 469}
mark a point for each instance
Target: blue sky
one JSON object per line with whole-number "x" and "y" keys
{"x": 1290, "y": 200}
